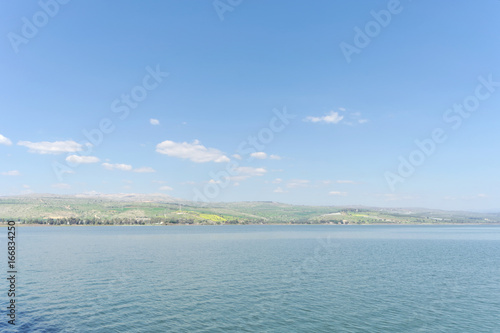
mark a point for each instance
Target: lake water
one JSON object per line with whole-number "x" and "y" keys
{"x": 256, "y": 279}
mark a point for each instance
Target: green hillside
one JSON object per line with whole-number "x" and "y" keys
{"x": 161, "y": 209}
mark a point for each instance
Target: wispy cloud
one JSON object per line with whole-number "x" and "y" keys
{"x": 62, "y": 186}
{"x": 262, "y": 156}
{"x": 127, "y": 167}
{"x": 355, "y": 118}
{"x": 250, "y": 171}
{"x": 117, "y": 166}
{"x": 154, "y": 121}
{"x": 330, "y": 118}
{"x": 192, "y": 151}
{"x": 166, "y": 188}
{"x": 337, "y": 193}
{"x": 294, "y": 183}
{"x": 243, "y": 173}
{"x": 56, "y": 147}
{"x": 82, "y": 159}
{"x": 279, "y": 190}
{"x": 11, "y": 173}
{"x": 345, "y": 182}
{"x": 4, "y": 140}
{"x": 334, "y": 117}
{"x": 259, "y": 155}
{"x": 144, "y": 170}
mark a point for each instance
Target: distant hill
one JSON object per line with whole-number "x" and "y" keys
{"x": 130, "y": 208}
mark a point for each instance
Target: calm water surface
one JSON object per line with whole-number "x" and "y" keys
{"x": 256, "y": 279}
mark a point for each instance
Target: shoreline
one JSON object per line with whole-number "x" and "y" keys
{"x": 262, "y": 224}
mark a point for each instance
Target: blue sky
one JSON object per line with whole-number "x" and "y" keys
{"x": 298, "y": 102}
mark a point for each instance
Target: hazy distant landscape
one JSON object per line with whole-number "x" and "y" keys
{"x": 143, "y": 209}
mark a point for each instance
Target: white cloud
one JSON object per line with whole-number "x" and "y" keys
{"x": 345, "y": 182}
{"x": 144, "y": 170}
{"x": 237, "y": 156}
{"x": 335, "y": 117}
{"x": 61, "y": 186}
{"x": 259, "y": 154}
{"x": 56, "y": 147}
{"x": 262, "y": 156}
{"x": 82, "y": 159}
{"x": 4, "y": 140}
{"x": 123, "y": 167}
{"x": 250, "y": 171}
{"x": 127, "y": 167}
{"x": 331, "y": 118}
{"x": 166, "y": 188}
{"x": 279, "y": 190}
{"x": 154, "y": 121}
{"x": 277, "y": 181}
{"x": 11, "y": 173}
{"x": 297, "y": 183}
{"x": 337, "y": 193}
{"x": 243, "y": 173}
{"x": 193, "y": 151}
